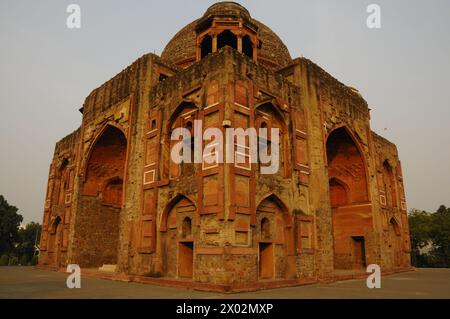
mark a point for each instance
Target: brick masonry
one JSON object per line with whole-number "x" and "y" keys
{"x": 114, "y": 196}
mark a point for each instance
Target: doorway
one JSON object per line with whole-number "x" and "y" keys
{"x": 266, "y": 260}
{"x": 359, "y": 252}
{"x": 186, "y": 259}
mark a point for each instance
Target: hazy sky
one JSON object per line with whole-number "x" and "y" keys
{"x": 47, "y": 70}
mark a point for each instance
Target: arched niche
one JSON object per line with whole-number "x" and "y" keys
{"x": 268, "y": 116}
{"x": 178, "y": 238}
{"x": 351, "y": 214}
{"x": 225, "y": 38}
{"x": 101, "y": 200}
{"x": 206, "y": 46}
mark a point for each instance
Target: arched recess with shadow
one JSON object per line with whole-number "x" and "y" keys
{"x": 63, "y": 179}
{"x": 206, "y": 46}
{"x": 351, "y": 210}
{"x": 183, "y": 116}
{"x": 389, "y": 185}
{"x": 178, "y": 238}
{"x": 227, "y": 38}
{"x": 54, "y": 243}
{"x": 100, "y": 204}
{"x": 395, "y": 243}
{"x": 273, "y": 237}
{"x": 268, "y": 116}
{"x": 247, "y": 46}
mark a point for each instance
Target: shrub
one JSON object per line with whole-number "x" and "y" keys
{"x": 4, "y": 259}
{"x": 13, "y": 261}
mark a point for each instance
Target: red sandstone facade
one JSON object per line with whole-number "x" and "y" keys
{"x": 115, "y": 198}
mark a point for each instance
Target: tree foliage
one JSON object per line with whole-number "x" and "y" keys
{"x": 430, "y": 237}
{"x": 16, "y": 243}
{"x": 9, "y": 224}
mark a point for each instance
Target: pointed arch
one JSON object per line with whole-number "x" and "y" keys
{"x": 338, "y": 192}
{"x": 390, "y": 183}
{"x": 183, "y": 116}
{"x": 101, "y": 197}
{"x": 106, "y": 159}
{"x": 349, "y": 198}
{"x": 98, "y": 136}
{"x": 227, "y": 37}
{"x": 276, "y": 199}
{"x": 206, "y": 46}
{"x": 347, "y": 163}
{"x": 396, "y": 225}
{"x": 55, "y": 224}
{"x": 274, "y": 238}
{"x": 170, "y": 205}
{"x": 268, "y": 116}
{"x": 274, "y": 107}
{"x": 247, "y": 46}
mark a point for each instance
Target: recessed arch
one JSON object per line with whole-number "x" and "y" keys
{"x": 227, "y": 37}
{"x": 390, "y": 184}
{"x": 170, "y": 205}
{"x": 395, "y": 242}
{"x": 113, "y": 191}
{"x": 55, "y": 224}
{"x": 268, "y": 116}
{"x": 265, "y": 228}
{"x": 101, "y": 199}
{"x": 346, "y": 163}
{"x": 274, "y": 238}
{"x": 206, "y": 46}
{"x": 394, "y": 222}
{"x": 186, "y": 227}
{"x": 63, "y": 181}
{"x": 178, "y": 237}
{"x": 338, "y": 192}
{"x": 349, "y": 198}
{"x": 272, "y": 107}
{"x": 183, "y": 116}
{"x": 247, "y": 46}
{"x": 101, "y": 134}
{"x": 276, "y": 199}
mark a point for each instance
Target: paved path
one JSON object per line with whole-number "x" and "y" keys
{"x": 27, "y": 282}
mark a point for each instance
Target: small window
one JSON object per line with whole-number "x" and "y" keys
{"x": 265, "y": 228}
{"x": 247, "y": 47}
{"x": 227, "y": 38}
{"x": 186, "y": 227}
{"x": 206, "y": 46}
{"x": 153, "y": 125}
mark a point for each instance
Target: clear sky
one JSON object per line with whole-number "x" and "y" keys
{"x": 47, "y": 70}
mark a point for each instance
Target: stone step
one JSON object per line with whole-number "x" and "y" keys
{"x": 108, "y": 268}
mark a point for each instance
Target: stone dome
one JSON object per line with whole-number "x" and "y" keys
{"x": 271, "y": 52}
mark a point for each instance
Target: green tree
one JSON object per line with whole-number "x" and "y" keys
{"x": 440, "y": 237}
{"x": 420, "y": 226}
{"x": 430, "y": 229}
{"x": 28, "y": 237}
{"x": 9, "y": 224}
{"x": 4, "y": 260}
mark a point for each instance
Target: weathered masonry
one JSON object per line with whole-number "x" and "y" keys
{"x": 116, "y": 200}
